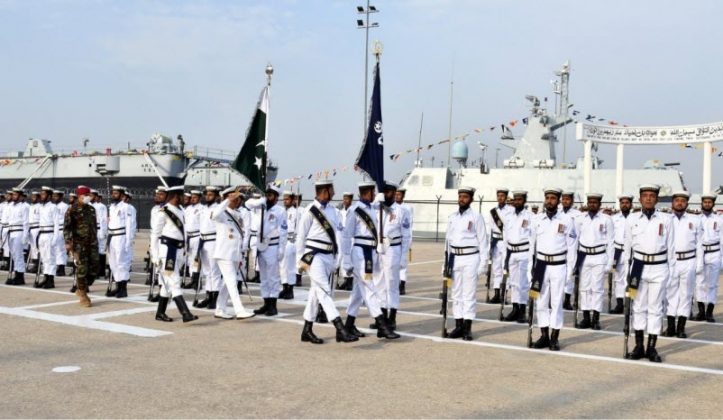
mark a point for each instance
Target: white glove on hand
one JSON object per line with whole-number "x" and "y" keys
{"x": 379, "y": 198}
{"x": 480, "y": 270}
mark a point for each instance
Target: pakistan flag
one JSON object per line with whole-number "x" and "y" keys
{"x": 251, "y": 160}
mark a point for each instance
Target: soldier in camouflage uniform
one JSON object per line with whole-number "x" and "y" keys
{"x": 81, "y": 239}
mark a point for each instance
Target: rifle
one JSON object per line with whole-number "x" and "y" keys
{"x": 109, "y": 290}
{"x": 577, "y": 294}
{"x": 503, "y": 293}
{"x": 198, "y": 285}
{"x": 489, "y": 275}
{"x": 37, "y": 270}
{"x": 446, "y": 279}
{"x": 610, "y": 292}
{"x": 154, "y": 281}
{"x": 531, "y": 304}
{"x": 626, "y": 311}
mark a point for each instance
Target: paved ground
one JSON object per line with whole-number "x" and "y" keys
{"x": 133, "y": 366}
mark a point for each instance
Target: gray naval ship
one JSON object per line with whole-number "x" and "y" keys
{"x": 163, "y": 160}
{"x": 534, "y": 165}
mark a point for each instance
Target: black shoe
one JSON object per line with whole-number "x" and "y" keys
{"x": 32, "y": 267}
{"x": 680, "y": 331}
{"x": 49, "y": 283}
{"x": 522, "y": 314}
{"x": 73, "y": 289}
{"x": 41, "y": 283}
{"x": 566, "y": 305}
{"x": 554, "y": 343}
{"x": 392, "y": 321}
{"x": 155, "y": 298}
{"x": 701, "y": 312}
{"x": 342, "y": 335}
{"x": 204, "y": 302}
{"x": 458, "y": 330}
{"x": 213, "y": 297}
{"x": 402, "y": 288}
{"x": 60, "y": 271}
{"x": 271, "y": 311}
{"x": 195, "y": 278}
{"x": 321, "y": 316}
{"x": 257, "y": 277}
{"x": 651, "y": 353}
{"x": 374, "y": 325}
{"x": 308, "y": 336}
{"x": 467, "y": 330}
{"x": 670, "y": 331}
{"x": 512, "y": 316}
{"x": 298, "y": 280}
{"x": 595, "y": 324}
{"x": 585, "y": 323}
{"x": 183, "y": 309}
{"x": 349, "y": 325}
{"x": 263, "y": 308}
{"x": 282, "y": 293}
{"x": 709, "y": 313}
{"x": 383, "y": 330}
{"x": 619, "y": 308}
{"x": 544, "y": 340}
{"x": 19, "y": 279}
{"x": 122, "y": 291}
{"x": 496, "y": 297}
{"x": 290, "y": 293}
{"x": 9, "y": 281}
{"x": 161, "y": 311}
{"x": 348, "y": 284}
{"x": 639, "y": 350}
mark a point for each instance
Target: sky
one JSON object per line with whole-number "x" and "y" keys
{"x": 118, "y": 71}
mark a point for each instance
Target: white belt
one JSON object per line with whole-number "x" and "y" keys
{"x": 711, "y": 248}
{"x": 193, "y": 234}
{"x": 658, "y": 258}
{"x": 521, "y": 247}
{"x": 497, "y": 235}
{"x": 395, "y": 241}
{"x": 556, "y": 258}
{"x": 464, "y": 250}
{"x": 591, "y": 250}
{"x": 685, "y": 255}
{"x": 317, "y": 244}
{"x": 116, "y": 232}
{"x": 364, "y": 241}
{"x": 619, "y": 246}
{"x": 208, "y": 236}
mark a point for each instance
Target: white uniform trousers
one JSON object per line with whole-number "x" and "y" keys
{"x": 46, "y": 248}
{"x": 679, "y": 293}
{"x": 320, "y": 288}
{"x": 517, "y": 279}
{"x": 118, "y": 258}
{"x": 387, "y": 284}
{"x": 548, "y": 307}
{"x": 268, "y": 263}
{"x": 706, "y": 284}
{"x": 570, "y": 285}
{"x": 403, "y": 264}
{"x": 288, "y": 265}
{"x": 6, "y": 243}
{"x": 364, "y": 291}
{"x": 229, "y": 270}
{"x": 191, "y": 253}
{"x": 61, "y": 255}
{"x": 498, "y": 266}
{"x": 33, "y": 243}
{"x": 210, "y": 268}
{"x": 592, "y": 286}
{"x": 170, "y": 282}
{"x": 101, "y": 243}
{"x": 16, "y": 251}
{"x": 648, "y": 302}
{"x": 620, "y": 278}
{"x": 464, "y": 286}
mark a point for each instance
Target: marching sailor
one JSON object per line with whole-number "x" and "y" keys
{"x": 649, "y": 239}
{"x": 270, "y": 227}
{"x": 553, "y": 244}
{"x": 207, "y": 249}
{"x": 347, "y": 199}
{"x": 33, "y": 228}
{"x": 595, "y": 254}
{"x": 133, "y": 214}
{"x": 620, "y": 260}
{"x": 47, "y": 236}
{"x": 167, "y": 246}
{"x": 61, "y": 255}
{"x": 229, "y": 252}
{"x": 688, "y": 232}
{"x": 288, "y": 262}
{"x": 159, "y": 198}
{"x": 497, "y": 250}
{"x": 516, "y": 233}
{"x": 192, "y": 213}
{"x": 566, "y": 203}
{"x": 408, "y": 223}
{"x": 18, "y": 231}
{"x": 360, "y": 261}
{"x": 120, "y": 240}
{"x": 317, "y": 252}
{"x": 467, "y": 258}
{"x": 101, "y": 215}
{"x": 706, "y": 292}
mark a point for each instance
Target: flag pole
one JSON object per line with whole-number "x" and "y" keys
{"x": 269, "y": 72}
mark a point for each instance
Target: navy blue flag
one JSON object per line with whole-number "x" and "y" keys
{"x": 371, "y": 156}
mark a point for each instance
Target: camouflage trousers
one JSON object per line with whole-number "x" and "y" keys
{"x": 86, "y": 264}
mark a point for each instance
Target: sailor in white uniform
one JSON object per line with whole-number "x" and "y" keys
{"x": 48, "y": 231}
{"x": 567, "y": 201}
{"x": 7, "y": 202}
{"x": 33, "y": 228}
{"x": 192, "y": 213}
{"x": 133, "y": 214}
{"x": 516, "y": 235}
{"x": 706, "y": 290}
{"x": 207, "y": 249}
{"x": 495, "y": 226}
{"x": 101, "y": 215}
{"x": 159, "y": 198}
{"x": 120, "y": 240}
{"x": 288, "y": 262}
{"x": 409, "y": 223}
{"x": 347, "y": 198}
{"x": 17, "y": 216}
{"x": 61, "y": 255}
{"x": 620, "y": 260}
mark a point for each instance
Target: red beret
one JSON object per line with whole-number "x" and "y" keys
{"x": 82, "y": 190}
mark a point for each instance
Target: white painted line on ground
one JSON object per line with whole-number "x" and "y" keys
{"x": 426, "y": 262}
{"x": 48, "y": 305}
{"x": 121, "y": 312}
{"x": 66, "y": 369}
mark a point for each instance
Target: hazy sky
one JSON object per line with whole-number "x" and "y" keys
{"x": 119, "y": 71}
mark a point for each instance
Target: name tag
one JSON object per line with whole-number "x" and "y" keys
{"x": 660, "y": 229}
{"x": 470, "y": 225}
{"x": 560, "y": 228}
{"x": 525, "y": 223}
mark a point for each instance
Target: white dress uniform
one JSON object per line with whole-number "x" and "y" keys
{"x": 396, "y": 240}
{"x": 595, "y": 236}
{"x": 48, "y": 233}
{"x": 155, "y": 214}
{"x": 166, "y": 233}
{"x": 120, "y": 241}
{"x": 409, "y": 223}
{"x": 553, "y": 243}
{"x": 707, "y": 281}
{"x": 18, "y": 216}
{"x": 4, "y": 227}
{"x": 688, "y": 232}
{"x": 515, "y": 245}
{"x": 497, "y": 248}
{"x": 288, "y": 262}
{"x": 228, "y": 254}
{"x": 101, "y": 212}
{"x": 61, "y": 255}
{"x": 467, "y": 250}
{"x": 570, "y": 283}
{"x": 192, "y": 214}
{"x": 133, "y": 216}
{"x": 209, "y": 267}
{"x": 33, "y": 227}
{"x": 620, "y": 276}
{"x": 271, "y": 249}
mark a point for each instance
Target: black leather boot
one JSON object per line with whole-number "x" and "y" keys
{"x": 183, "y": 309}
{"x": 195, "y": 277}
{"x": 290, "y": 294}
{"x": 544, "y": 340}
{"x": 374, "y": 325}
{"x": 651, "y": 353}
{"x": 639, "y": 350}
{"x": 101, "y": 266}
{"x": 701, "y": 312}
{"x": 284, "y": 290}
{"x": 90, "y": 280}
{"x": 263, "y": 308}
{"x": 402, "y": 288}
{"x": 554, "y": 343}
{"x": 680, "y": 331}
{"x": 458, "y": 330}
{"x": 709, "y": 313}
{"x": 349, "y": 325}
{"x": 383, "y": 330}
{"x": 342, "y": 335}
{"x": 122, "y": 291}
{"x": 161, "y": 311}
{"x": 212, "y": 300}
{"x": 321, "y": 316}
{"x": 566, "y": 305}
{"x": 619, "y": 307}
{"x": 41, "y": 283}
{"x": 298, "y": 280}
{"x": 33, "y": 266}
{"x": 512, "y": 316}
{"x": 392, "y": 322}
{"x": 272, "y": 311}
{"x": 522, "y": 314}
{"x": 585, "y": 323}
{"x": 50, "y": 284}
{"x": 595, "y": 324}
{"x": 670, "y": 331}
{"x": 19, "y": 279}
{"x": 308, "y": 336}
{"x": 496, "y": 297}
{"x": 467, "y": 327}
{"x": 60, "y": 271}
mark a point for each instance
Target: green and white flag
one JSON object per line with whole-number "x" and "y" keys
{"x": 251, "y": 160}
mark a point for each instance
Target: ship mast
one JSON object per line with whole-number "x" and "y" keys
{"x": 564, "y": 103}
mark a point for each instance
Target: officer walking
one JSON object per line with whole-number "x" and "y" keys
{"x": 347, "y": 198}
{"x": 192, "y": 213}
{"x": 159, "y": 198}
{"x": 516, "y": 244}
{"x": 81, "y": 240}
{"x": 207, "y": 248}
{"x": 495, "y": 224}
